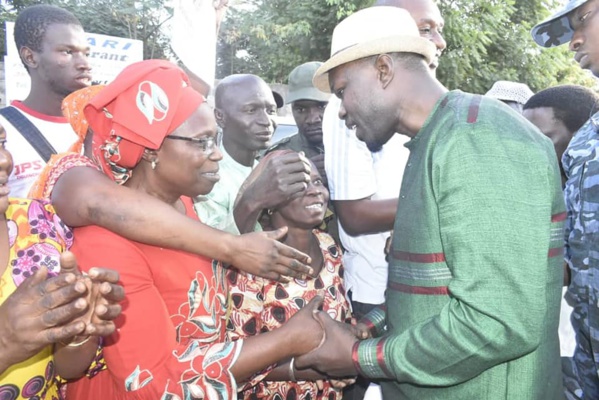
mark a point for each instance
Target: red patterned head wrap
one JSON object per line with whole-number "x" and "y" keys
{"x": 146, "y": 102}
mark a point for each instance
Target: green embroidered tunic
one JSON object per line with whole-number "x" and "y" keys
{"x": 475, "y": 276}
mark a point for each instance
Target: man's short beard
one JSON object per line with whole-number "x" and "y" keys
{"x": 374, "y": 146}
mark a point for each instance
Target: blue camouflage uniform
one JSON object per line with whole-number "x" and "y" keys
{"x": 581, "y": 165}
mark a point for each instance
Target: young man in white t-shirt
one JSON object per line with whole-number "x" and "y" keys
{"x": 53, "y": 47}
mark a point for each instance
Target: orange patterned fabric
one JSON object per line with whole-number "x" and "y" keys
{"x": 72, "y": 109}
{"x": 58, "y": 165}
{"x": 170, "y": 338}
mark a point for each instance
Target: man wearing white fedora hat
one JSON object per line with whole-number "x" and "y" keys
{"x": 364, "y": 187}
{"x": 473, "y": 293}
{"x": 578, "y": 23}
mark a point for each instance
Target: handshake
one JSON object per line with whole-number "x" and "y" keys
{"x": 330, "y": 344}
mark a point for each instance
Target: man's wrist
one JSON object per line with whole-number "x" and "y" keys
{"x": 248, "y": 201}
{"x": 369, "y": 359}
{"x": 247, "y": 211}
{"x": 356, "y": 357}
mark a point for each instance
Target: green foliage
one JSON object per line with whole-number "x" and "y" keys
{"x": 123, "y": 18}
{"x": 488, "y": 40}
{"x": 270, "y": 37}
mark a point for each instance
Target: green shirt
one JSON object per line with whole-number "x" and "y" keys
{"x": 296, "y": 143}
{"x": 475, "y": 277}
{"x": 216, "y": 208}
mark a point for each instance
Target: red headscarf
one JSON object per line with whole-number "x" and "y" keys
{"x": 146, "y": 102}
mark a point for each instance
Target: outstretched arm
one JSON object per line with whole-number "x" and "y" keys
{"x": 505, "y": 266}
{"x": 366, "y": 216}
{"x": 84, "y": 196}
{"x": 181, "y": 359}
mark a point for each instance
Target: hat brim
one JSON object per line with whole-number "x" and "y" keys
{"x": 278, "y": 99}
{"x": 391, "y": 44}
{"x": 311, "y": 94}
{"x": 556, "y": 30}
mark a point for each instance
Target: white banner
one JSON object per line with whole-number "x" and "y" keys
{"x": 108, "y": 56}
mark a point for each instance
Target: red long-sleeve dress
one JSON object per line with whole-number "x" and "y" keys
{"x": 169, "y": 342}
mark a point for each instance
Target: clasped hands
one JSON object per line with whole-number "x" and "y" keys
{"x": 66, "y": 308}
{"x": 333, "y": 356}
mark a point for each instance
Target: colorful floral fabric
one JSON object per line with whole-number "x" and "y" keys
{"x": 58, "y": 165}
{"x": 36, "y": 239}
{"x": 260, "y": 305}
{"x": 170, "y": 339}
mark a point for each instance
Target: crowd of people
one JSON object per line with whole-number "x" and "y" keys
{"x": 408, "y": 240}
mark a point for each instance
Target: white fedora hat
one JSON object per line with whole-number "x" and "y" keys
{"x": 369, "y": 32}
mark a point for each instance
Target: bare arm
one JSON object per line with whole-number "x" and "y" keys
{"x": 366, "y": 216}
{"x": 84, "y": 196}
{"x": 281, "y": 373}
{"x": 300, "y": 335}
{"x": 246, "y": 213}
{"x": 278, "y": 177}
{"x": 196, "y": 82}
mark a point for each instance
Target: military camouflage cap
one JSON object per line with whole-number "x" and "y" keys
{"x": 301, "y": 86}
{"x": 556, "y": 30}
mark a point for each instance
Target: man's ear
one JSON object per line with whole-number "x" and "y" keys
{"x": 385, "y": 69}
{"x": 219, "y": 115}
{"x": 29, "y": 57}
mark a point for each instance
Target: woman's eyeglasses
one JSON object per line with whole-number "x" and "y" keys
{"x": 206, "y": 144}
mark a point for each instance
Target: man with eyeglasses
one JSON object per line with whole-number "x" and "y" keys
{"x": 578, "y": 23}
{"x": 244, "y": 107}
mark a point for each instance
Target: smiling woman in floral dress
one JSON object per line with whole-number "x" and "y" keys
{"x": 261, "y": 305}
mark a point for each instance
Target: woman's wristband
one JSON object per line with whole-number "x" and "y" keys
{"x": 77, "y": 344}
{"x": 292, "y": 377}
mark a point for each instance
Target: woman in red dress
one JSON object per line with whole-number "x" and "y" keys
{"x": 153, "y": 132}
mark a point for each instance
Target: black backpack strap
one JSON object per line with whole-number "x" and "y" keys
{"x": 29, "y": 132}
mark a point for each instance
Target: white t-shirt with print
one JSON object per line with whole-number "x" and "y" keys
{"x": 355, "y": 173}
{"x": 27, "y": 163}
